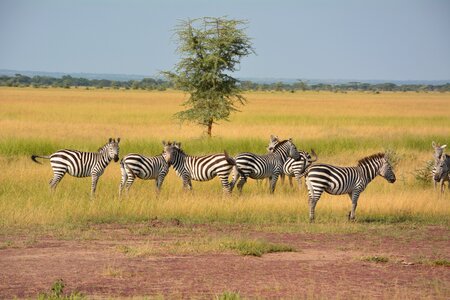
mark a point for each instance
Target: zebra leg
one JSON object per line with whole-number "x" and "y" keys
{"x": 234, "y": 178}
{"x": 57, "y": 176}
{"x": 299, "y": 182}
{"x": 187, "y": 184}
{"x": 159, "y": 182}
{"x": 354, "y": 197}
{"x": 282, "y": 178}
{"x": 225, "y": 184}
{"x": 129, "y": 182}
{"x": 95, "y": 178}
{"x": 290, "y": 181}
{"x": 313, "y": 198}
{"x": 241, "y": 183}
{"x": 273, "y": 182}
{"x": 124, "y": 178}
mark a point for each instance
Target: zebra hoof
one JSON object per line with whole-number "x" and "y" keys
{"x": 350, "y": 218}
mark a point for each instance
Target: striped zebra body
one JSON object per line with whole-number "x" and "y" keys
{"x": 346, "y": 180}
{"x": 297, "y": 168}
{"x": 199, "y": 168}
{"x": 438, "y": 152}
{"x": 291, "y": 167}
{"x": 81, "y": 164}
{"x": 250, "y": 165}
{"x": 442, "y": 171}
{"x": 135, "y": 166}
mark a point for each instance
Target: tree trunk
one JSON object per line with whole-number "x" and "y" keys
{"x": 209, "y": 127}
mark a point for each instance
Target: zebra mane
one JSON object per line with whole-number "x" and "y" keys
{"x": 370, "y": 158}
{"x": 279, "y": 145}
{"x": 102, "y": 147}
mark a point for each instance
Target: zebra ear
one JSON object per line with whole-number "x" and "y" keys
{"x": 164, "y": 143}
{"x": 110, "y": 140}
{"x": 118, "y": 140}
{"x": 443, "y": 146}
{"x": 433, "y": 144}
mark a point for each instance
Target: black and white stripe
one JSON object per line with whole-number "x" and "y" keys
{"x": 199, "y": 168}
{"x": 442, "y": 171}
{"x": 438, "y": 152}
{"x": 135, "y": 166}
{"x": 293, "y": 168}
{"x": 346, "y": 180}
{"x": 263, "y": 166}
{"x": 81, "y": 164}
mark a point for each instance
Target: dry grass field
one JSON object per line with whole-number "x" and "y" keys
{"x": 341, "y": 127}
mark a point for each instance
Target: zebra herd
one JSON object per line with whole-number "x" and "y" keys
{"x": 283, "y": 159}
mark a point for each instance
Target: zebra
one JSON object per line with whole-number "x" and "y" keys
{"x": 293, "y": 168}
{"x": 81, "y": 164}
{"x": 199, "y": 168}
{"x": 346, "y": 180}
{"x": 263, "y": 166}
{"x": 442, "y": 173}
{"x": 438, "y": 152}
{"x": 136, "y": 165}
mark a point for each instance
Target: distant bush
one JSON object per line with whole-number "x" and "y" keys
{"x": 424, "y": 175}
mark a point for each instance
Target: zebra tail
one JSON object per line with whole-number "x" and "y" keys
{"x": 229, "y": 159}
{"x": 232, "y": 162}
{"x": 33, "y": 158}
{"x": 314, "y": 153}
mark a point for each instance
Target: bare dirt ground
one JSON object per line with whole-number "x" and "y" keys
{"x": 96, "y": 261}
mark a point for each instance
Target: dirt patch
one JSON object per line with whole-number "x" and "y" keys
{"x": 324, "y": 265}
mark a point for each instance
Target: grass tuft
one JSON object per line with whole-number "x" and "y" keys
{"x": 375, "y": 259}
{"x": 256, "y": 247}
{"x": 227, "y": 295}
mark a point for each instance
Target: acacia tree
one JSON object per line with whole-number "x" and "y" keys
{"x": 210, "y": 49}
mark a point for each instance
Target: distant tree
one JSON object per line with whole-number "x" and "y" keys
{"x": 210, "y": 49}
{"x": 300, "y": 85}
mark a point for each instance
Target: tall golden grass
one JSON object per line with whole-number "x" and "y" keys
{"x": 342, "y": 128}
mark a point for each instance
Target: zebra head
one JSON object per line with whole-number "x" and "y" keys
{"x": 442, "y": 169}
{"x": 275, "y": 145}
{"x": 274, "y": 140}
{"x": 386, "y": 171}
{"x": 293, "y": 152}
{"x": 438, "y": 151}
{"x": 112, "y": 149}
{"x": 172, "y": 151}
{"x": 166, "y": 152}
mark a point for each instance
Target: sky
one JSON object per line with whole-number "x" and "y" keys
{"x": 316, "y": 39}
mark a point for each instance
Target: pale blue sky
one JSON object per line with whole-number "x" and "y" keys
{"x": 372, "y": 39}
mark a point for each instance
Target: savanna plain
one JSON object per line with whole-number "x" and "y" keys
{"x": 202, "y": 244}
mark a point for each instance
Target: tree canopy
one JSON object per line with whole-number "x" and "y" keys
{"x": 210, "y": 49}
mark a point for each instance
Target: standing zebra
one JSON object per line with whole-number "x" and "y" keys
{"x": 442, "y": 173}
{"x": 438, "y": 152}
{"x": 199, "y": 168}
{"x": 263, "y": 166}
{"x": 346, "y": 180}
{"x": 81, "y": 164}
{"x": 136, "y": 165}
{"x": 291, "y": 167}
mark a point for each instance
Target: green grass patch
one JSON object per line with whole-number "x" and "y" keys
{"x": 375, "y": 259}
{"x": 205, "y": 244}
{"x": 256, "y": 247}
{"x": 228, "y": 295}
{"x": 441, "y": 262}
{"x": 57, "y": 293}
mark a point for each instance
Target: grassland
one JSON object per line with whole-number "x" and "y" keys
{"x": 340, "y": 127}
